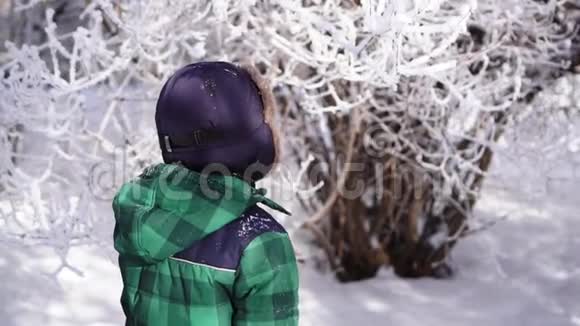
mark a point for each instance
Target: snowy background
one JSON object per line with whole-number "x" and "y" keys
{"x": 60, "y": 127}
{"x": 525, "y": 270}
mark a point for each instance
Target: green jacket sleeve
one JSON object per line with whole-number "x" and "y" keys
{"x": 266, "y": 287}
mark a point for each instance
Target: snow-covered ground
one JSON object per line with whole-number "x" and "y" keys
{"x": 523, "y": 271}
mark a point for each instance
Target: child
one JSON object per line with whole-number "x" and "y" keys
{"x": 194, "y": 248}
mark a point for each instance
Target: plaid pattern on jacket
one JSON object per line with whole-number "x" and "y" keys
{"x": 199, "y": 251}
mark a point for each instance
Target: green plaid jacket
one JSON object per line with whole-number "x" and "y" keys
{"x": 198, "y": 251}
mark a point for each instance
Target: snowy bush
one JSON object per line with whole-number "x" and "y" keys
{"x": 409, "y": 92}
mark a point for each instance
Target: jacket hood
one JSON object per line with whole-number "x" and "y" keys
{"x": 169, "y": 207}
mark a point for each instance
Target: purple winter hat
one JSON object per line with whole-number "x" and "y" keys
{"x": 214, "y": 113}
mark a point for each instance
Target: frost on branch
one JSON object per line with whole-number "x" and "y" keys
{"x": 421, "y": 89}
{"x": 426, "y": 144}
{"x": 71, "y": 105}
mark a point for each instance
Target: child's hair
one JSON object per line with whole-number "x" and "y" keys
{"x": 216, "y": 115}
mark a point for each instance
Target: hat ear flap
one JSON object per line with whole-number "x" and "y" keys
{"x": 268, "y": 104}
